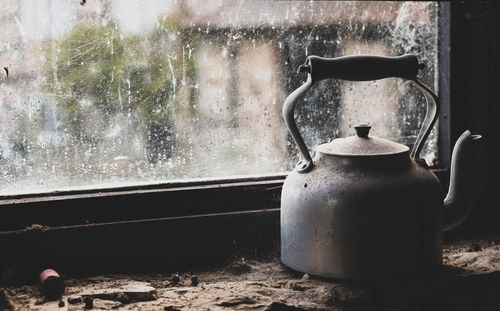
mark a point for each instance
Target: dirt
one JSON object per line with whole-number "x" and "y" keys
{"x": 469, "y": 280}
{"x": 6, "y": 302}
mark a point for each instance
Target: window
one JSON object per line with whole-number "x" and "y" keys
{"x": 102, "y": 93}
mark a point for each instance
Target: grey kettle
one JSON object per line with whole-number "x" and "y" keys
{"x": 366, "y": 207}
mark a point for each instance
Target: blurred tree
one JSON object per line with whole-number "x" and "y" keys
{"x": 97, "y": 67}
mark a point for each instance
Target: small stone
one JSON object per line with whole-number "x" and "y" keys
{"x": 475, "y": 248}
{"x": 175, "y": 279}
{"x": 194, "y": 280}
{"x": 89, "y": 303}
{"x": 73, "y": 300}
{"x": 306, "y": 277}
{"x": 61, "y": 304}
{"x": 40, "y": 301}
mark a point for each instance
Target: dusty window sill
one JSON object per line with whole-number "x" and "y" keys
{"x": 469, "y": 280}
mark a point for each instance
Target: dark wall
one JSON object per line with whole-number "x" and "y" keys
{"x": 475, "y": 102}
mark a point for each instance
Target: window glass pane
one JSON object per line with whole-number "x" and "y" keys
{"x": 104, "y": 93}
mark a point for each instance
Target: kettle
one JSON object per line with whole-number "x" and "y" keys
{"x": 366, "y": 207}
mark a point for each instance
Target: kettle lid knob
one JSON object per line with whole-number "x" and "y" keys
{"x": 362, "y": 130}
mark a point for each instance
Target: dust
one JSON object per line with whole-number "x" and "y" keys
{"x": 267, "y": 286}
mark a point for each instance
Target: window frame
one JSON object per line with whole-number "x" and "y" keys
{"x": 175, "y": 199}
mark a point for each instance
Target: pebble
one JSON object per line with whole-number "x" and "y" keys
{"x": 89, "y": 303}
{"x": 194, "y": 280}
{"x": 74, "y": 300}
{"x": 175, "y": 279}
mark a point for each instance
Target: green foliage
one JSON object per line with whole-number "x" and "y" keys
{"x": 97, "y": 66}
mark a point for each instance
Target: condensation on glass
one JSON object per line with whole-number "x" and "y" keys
{"x": 114, "y": 93}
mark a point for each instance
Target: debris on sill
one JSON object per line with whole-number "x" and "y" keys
{"x": 6, "y": 301}
{"x": 194, "y": 280}
{"x": 36, "y": 228}
{"x": 240, "y": 266}
{"x": 175, "y": 279}
{"x": 469, "y": 281}
{"x": 52, "y": 284}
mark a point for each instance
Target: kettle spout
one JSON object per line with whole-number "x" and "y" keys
{"x": 456, "y": 203}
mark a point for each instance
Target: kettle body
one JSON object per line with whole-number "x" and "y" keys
{"x": 362, "y": 218}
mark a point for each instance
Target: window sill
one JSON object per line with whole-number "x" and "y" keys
{"x": 269, "y": 285}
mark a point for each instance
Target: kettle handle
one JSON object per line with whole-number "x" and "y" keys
{"x": 360, "y": 68}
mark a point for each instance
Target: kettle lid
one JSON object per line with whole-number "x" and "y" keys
{"x": 362, "y": 144}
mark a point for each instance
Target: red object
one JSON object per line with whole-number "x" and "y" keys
{"x": 52, "y": 284}
{"x": 48, "y": 273}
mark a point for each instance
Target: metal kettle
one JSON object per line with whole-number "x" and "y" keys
{"x": 366, "y": 207}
